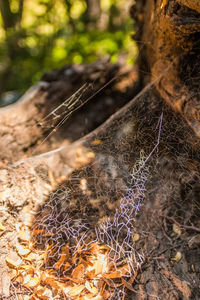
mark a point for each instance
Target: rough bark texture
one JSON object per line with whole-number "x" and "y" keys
{"x": 23, "y": 126}
{"x": 168, "y": 35}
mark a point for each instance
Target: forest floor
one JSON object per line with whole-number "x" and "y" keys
{"x": 167, "y": 231}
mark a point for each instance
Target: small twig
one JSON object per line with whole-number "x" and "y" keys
{"x": 194, "y": 228}
{"x": 150, "y": 211}
{"x": 167, "y": 249}
{"x": 182, "y": 226}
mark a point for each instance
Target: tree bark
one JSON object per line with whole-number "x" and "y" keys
{"x": 22, "y": 123}
{"x": 10, "y": 19}
{"x": 11, "y": 23}
{"x": 93, "y": 14}
{"x": 93, "y": 10}
{"x": 168, "y": 34}
{"x": 7, "y": 15}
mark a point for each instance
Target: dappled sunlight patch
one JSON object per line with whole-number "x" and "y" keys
{"x": 87, "y": 273}
{"x": 68, "y": 252}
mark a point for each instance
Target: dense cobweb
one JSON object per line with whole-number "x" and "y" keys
{"x": 58, "y": 227}
{"x": 98, "y": 204}
{"x": 99, "y": 201}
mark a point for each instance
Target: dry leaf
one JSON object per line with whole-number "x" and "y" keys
{"x": 45, "y": 254}
{"x": 50, "y": 280}
{"x": 37, "y": 231}
{"x": 51, "y": 178}
{"x": 78, "y": 272}
{"x": 13, "y": 273}
{"x": 28, "y": 219}
{"x": 20, "y": 279}
{"x": 42, "y": 297}
{"x": 79, "y": 248}
{"x": 27, "y": 297}
{"x": 88, "y": 296}
{"x": 13, "y": 264}
{"x": 163, "y": 4}
{"x": 194, "y": 241}
{"x": 92, "y": 289}
{"x": 116, "y": 274}
{"x": 124, "y": 269}
{"x": 28, "y": 268}
{"x": 91, "y": 296}
{"x": 94, "y": 248}
{"x": 106, "y": 295}
{"x": 104, "y": 247}
{"x": 66, "y": 266}
{"x": 177, "y": 257}
{"x": 43, "y": 276}
{"x": 48, "y": 187}
{"x": 60, "y": 262}
{"x": 33, "y": 256}
{"x": 74, "y": 257}
{"x": 22, "y": 251}
{"x": 87, "y": 260}
{"x": 67, "y": 278}
{"x": 24, "y": 235}
{"x": 76, "y": 290}
{"x": 2, "y": 228}
{"x": 96, "y": 142}
{"x": 31, "y": 282}
{"x": 176, "y": 229}
{"x": 98, "y": 267}
{"x": 47, "y": 251}
{"x": 64, "y": 255}
{"x": 132, "y": 279}
{"x": 127, "y": 285}
{"x": 90, "y": 274}
{"x": 109, "y": 282}
{"x": 65, "y": 250}
{"x": 90, "y": 154}
{"x": 136, "y": 237}
{"x": 44, "y": 293}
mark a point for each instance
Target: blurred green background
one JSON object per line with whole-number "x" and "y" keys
{"x": 40, "y": 35}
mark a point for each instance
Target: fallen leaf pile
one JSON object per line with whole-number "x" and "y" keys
{"x": 87, "y": 273}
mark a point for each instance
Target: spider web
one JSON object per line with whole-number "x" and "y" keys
{"x": 58, "y": 226}
{"x": 100, "y": 200}
{"x": 99, "y": 203}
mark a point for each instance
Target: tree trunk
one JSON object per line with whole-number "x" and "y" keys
{"x": 168, "y": 34}
{"x": 93, "y": 13}
{"x": 11, "y": 24}
{"x": 93, "y": 9}
{"x": 155, "y": 135}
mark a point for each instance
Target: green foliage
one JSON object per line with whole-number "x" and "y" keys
{"x": 52, "y": 33}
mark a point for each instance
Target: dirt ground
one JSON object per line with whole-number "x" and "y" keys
{"x": 167, "y": 226}
{"x": 90, "y": 166}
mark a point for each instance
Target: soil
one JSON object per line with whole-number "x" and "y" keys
{"x": 167, "y": 225}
